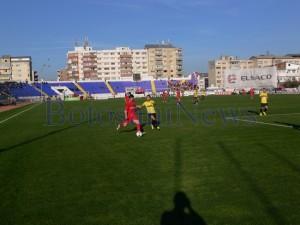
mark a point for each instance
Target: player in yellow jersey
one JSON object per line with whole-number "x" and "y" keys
{"x": 202, "y": 94}
{"x": 149, "y": 104}
{"x": 263, "y": 102}
{"x": 196, "y": 97}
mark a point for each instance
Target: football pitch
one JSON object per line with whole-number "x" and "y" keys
{"x": 217, "y": 162}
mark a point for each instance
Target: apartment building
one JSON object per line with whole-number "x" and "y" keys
{"x": 122, "y": 63}
{"x": 272, "y": 60}
{"x": 216, "y": 68}
{"x": 16, "y": 68}
{"x": 5, "y": 68}
{"x": 164, "y": 61}
{"x": 288, "y": 72}
{"x": 62, "y": 75}
{"x": 82, "y": 63}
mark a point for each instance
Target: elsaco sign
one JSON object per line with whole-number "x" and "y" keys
{"x": 256, "y": 78}
{"x": 262, "y": 77}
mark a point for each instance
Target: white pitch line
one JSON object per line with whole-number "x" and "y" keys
{"x": 255, "y": 122}
{"x": 18, "y": 113}
{"x": 269, "y": 115}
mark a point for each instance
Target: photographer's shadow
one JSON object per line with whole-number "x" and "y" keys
{"x": 182, "y": 214}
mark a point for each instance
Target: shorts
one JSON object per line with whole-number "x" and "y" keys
{"x": 151, "y": 114}
{"x": 131, "y": 118}
{"x": 262, "y": 105}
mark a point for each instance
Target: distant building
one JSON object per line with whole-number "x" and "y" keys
{"x": 16, "y": 68}
{"x": 164, "y": 60}
{"x": 272, "y": 60}
{"x": 288, "y": 72}
{"x": 5, "y": 68}
{"x": 216, "y": 68}
{"x": 62, "y": 75}
{"x": 122, "y": 63}
{"x": 203, "y": 80}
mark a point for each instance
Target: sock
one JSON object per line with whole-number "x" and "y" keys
{"x": 138, "y": 127}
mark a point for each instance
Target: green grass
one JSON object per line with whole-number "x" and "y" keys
{"x": 91, "y": 174}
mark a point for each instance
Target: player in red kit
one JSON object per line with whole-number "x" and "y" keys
{"x": 164, "y": 96}
{"x": 126, "y": 98}
{"x": 130, "y": 114}
{"x": 178, "y": 97}
{"x": 251, "y": 92}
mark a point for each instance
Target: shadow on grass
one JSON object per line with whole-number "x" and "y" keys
{"x": 264, "y": 200}
{"x": 133, "y": 129}
{"x": 281, "y": 158}
{"x": 253, "y": 112}
{"x": 182, "y": 214}
{"x": 295, "y": 126}
{"x": 35, "y": 139}
{"x": 177, "y": 165}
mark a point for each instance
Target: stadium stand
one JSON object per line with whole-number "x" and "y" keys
{"x": 161, "y": 85}
{"x": 70, "y": 85}
{"x": 98, "y": 87}
{"x": 95, "y": 89}
{"x": 117, "y": 86}
{"x": 23, "y": 90}
{"x": 46, "y": 88}
{"x": 145, "y": 85}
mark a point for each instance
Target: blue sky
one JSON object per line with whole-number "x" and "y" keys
{"x": 204, "y": 29}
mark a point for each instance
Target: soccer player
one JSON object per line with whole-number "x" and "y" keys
{"x": 196, "y": 97}
{"x": 263, "y": 102}
{"x": 149, "y": 104}
{"x": 164, "y": 96}
{"x": 178, "y": 97}
{"x": 130, "y": 115}
{"x": 202, "y": 94}
{"x": 126, "y": 98}
{"x": 251, "y": 92}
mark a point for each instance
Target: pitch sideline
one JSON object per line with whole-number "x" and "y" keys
{"x": 18, "y": 113}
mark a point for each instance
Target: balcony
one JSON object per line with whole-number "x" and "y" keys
{"x": 72, "y": 56}
{"x": 129, "y": 61}
{"x": 125, "y": 56}
{"x": 88, "y": 60}
{"x": 126, "y": 70}
{"x": 89, "y": 66}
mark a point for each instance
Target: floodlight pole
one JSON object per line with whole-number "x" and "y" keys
{"x": 42, "y": 83}
{"x": 42, "y": 79}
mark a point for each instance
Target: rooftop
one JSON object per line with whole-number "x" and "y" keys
{"x": 167, "y": 45}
